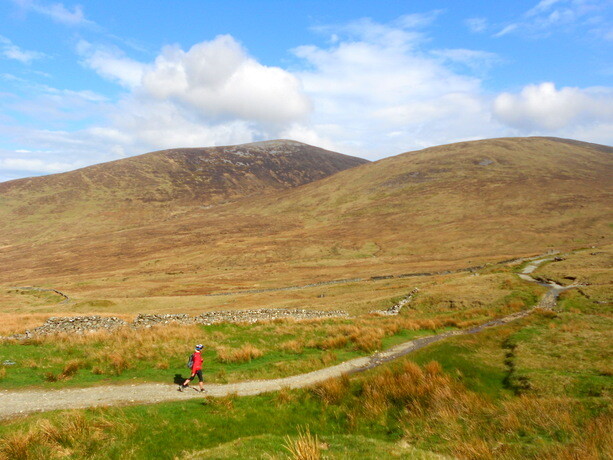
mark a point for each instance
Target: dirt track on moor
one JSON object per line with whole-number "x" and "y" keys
{"x": 15, "y": 403}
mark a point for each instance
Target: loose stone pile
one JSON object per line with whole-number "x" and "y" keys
{"x": 395, "y": 309}
{"x": 85, "y": 324}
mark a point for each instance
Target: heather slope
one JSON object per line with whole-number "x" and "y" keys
{"x": 134, "y": 191}
{"x": 440, "y": 208}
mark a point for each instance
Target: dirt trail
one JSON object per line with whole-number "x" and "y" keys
{"x": 23, "y": 402}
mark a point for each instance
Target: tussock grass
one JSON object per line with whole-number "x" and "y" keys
{"x": 11, "y": 323}
{"x": 244, "y": 354}
{"x": 305, "y": 446}
{"x": 70, "y": 435}
{"x": 332, "y": 391}
{"x": 293, "y": 346}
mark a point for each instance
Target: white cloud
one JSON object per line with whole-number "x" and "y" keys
{"x": 374, "y": 90}
{"x": 211, "y": 94}
{"x": 478, "y": 61}
{"x": 549, "y": 16}
{"x": 543, "y": 107}
{"x": 111, "y": 63}
{"x": 376, "y": 93}
{"x": 507, "y": 30}
{"x": 219, "y": 80}
{"x": 153, "y": 125}
{"x": 11, "y": 51}
{"x": 57, "y": 12}
{"x": 37, "y": 166}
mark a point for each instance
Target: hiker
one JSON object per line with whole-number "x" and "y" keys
{"x": 196, "y": 366}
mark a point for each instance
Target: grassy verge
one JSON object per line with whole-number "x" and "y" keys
{"x": 462, "y": 401}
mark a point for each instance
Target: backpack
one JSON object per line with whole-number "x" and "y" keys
{"x": 190, "y": 362}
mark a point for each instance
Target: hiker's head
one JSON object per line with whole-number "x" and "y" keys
{"x": 199, "y": 347}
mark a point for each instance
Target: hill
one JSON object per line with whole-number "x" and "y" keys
{"x": 445, "y": 207}
{"x": 133, "y": 191}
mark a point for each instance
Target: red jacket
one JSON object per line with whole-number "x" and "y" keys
{"x": 197, "y": 362}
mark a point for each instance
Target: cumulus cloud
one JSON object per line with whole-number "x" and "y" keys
{"x": 220, "y": 81}
{"x": 543, "y": 107}
{"x": 376, "y": 92}
{"x": 211, "y": 94}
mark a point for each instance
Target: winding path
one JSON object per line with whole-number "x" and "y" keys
{"x": 14, "y": 403}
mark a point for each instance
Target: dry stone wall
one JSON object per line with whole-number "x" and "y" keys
{"x": 395, "y": 309}
{"x": 85, "y": 324}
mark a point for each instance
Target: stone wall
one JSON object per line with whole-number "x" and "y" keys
{"x": 84, "y": 324}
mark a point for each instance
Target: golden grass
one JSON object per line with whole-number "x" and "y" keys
{"x": 333, "y": 390}
{"x": 16, "y": 446}
{"x": 595, "y": 442}
{"x": 305, "y": 446}
{"x": 284, "y": 396}
{"x": 12, "y": 323}
{"x": 469, "y": 425}
{"x": 72, "y": 435}
{"x": 293, "y": 346}
{"x": 240, "y": 355}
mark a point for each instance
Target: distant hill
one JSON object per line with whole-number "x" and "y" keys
{"x": 450, "y": 206}
{"x": 136, "y": 190}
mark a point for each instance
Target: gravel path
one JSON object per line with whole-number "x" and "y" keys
{"x": 23, "y": 402}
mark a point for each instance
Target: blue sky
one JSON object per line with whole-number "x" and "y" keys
{"x": 98, "y": 81}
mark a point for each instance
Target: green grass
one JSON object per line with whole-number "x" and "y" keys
{"x": 111, "y": 359}
{"x": 377, "y": 415}
{"x": 459, "y": 358}
{"x": 227, "y": 428}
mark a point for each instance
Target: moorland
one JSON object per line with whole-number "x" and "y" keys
{"x": 286, "y": 225}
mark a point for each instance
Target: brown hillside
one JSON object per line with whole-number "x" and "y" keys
{"x": 444, "y": 207}
{"x": 153, "y": 186}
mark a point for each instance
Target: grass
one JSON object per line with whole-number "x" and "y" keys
{"x": 305, "y": 446}
{"x": 538, "y": 388}
{"x": 455, "y": 398}
{"x": 388, "y": 412}
{"x": 236, "y": 352}
{"x": 232, "y": 352}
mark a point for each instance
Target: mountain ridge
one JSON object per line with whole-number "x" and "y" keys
{"x": 155, "y": 185}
